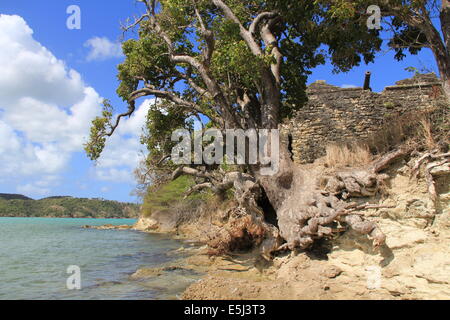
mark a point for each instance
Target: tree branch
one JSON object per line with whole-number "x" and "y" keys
{"x": 262, "y": 16}
{"x": 131, "y": 109}
{"x": 271, "y": 42}
{"x": 150, "y": 90}
{"x": 245, "y": 34}
{"x": 208, "y": 36}
{"x": 190, "y": 172}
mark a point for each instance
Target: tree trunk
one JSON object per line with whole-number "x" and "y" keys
{"x": 446, "y": 86}
{"x": 445, "y": 22}
{"x": 442, "y": 56}
{"x": 311, "y": 205}
{"x": 442, "y": 53}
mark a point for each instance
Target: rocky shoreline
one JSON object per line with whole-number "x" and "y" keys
{"x": 109, "y": 227}
{"x": 414, "y": 263}
{"x": 412, "y": 266}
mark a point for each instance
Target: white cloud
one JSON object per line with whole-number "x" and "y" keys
{"x": 45, "y": 115}
{"x": 45, "y": 108}
{"x": 123, "y": 150}
{"x": 29, "y": 69}
{"x": 103, "y": 49}
{"x": 33, "y": 190}
{"x": 41, "y": 187}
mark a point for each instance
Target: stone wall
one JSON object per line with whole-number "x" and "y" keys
{"x": 338, "y": 115}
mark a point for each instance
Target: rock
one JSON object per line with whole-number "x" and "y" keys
{"x": 440, "y": 170}
{"x": 146, "y": 224}
{"x": 146, "y": 273}
{"x": 403, "y": 237}
{"x": 108, "y": 227}
{"x": 332, "y": 272}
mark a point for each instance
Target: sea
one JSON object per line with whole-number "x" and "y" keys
{"x": 56, "y": 259}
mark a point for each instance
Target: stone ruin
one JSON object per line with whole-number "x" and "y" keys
{"x": 338, "y": 115}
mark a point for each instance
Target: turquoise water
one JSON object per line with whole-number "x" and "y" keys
{"x": 35, "y": 254}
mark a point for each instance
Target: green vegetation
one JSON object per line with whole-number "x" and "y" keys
{"x": 7, "y": 196}
{"x": 65, "y": 207}
{"x": 170, "y": 195}
{"x": 227, "y": 61}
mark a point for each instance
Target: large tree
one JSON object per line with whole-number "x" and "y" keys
{"x": 411, "y": 26}
{"x": 243, "y": 65}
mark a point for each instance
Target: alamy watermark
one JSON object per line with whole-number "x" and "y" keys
{"x": 74, "y": 280}
{"x": 373, "y": 274}
{"x": 374, "y": 21}
{"x": 74, "y": 20}
{"x": 232, "y": 146}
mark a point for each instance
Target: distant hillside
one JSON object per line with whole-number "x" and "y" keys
{"x": 7, "y": 196}
{"x": 57, "y": 197}
{"x": 12, "y": 205}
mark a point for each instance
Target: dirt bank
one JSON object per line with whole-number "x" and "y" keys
{"x": 414, "y": 263}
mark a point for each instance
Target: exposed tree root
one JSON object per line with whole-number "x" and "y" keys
{"x": 246, "y": 227}
{"x": 310, "y": 204}
{"x": 318, "y": 208}
{"x": 436, "y": 164}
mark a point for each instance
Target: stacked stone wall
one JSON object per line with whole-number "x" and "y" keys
{"x": 339, "y": 115}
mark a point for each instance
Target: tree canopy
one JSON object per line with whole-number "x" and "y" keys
{"x": 409, "y": 25}
{"x": 241, "y": 64}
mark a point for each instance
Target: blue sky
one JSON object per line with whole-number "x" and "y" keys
{"x": 38, "y": 165}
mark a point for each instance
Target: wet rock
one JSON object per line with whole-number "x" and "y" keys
{"x": 146, "y": 224}
{"x": 108, "y": 227}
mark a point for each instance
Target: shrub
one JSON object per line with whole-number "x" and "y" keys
{"x": 347, "y": 155}
{"x": 170, "y": 195}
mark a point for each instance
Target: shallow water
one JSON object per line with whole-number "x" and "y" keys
{"x": 36, "y": 252}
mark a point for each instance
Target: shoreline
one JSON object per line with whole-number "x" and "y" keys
{"x": 413, "y": 265}
{"x": 38, "y": 252}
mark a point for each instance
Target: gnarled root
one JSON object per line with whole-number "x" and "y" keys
{"x": 435, "y": 165}
{"x": 312, "y": 213}
{"x": 246, "y": 227}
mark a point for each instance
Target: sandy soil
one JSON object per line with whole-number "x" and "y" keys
{"x": 414, "y": 263}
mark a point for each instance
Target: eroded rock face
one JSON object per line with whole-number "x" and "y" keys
{"x": 416, "y": 267}
{"x": 413, "y": 264}
{"x": 146, "y": 224}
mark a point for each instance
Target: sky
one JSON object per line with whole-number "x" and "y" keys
{"x": 52, "y": 82}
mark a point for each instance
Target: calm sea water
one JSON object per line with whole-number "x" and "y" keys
{"x": 35, "y": 254}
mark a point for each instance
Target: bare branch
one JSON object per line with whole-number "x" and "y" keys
{"x": 190, "y": 172}
{"x": 385, "y": 161}
{"x": 245, "y": 34}
{"x": 136, "y": 22}
{"x": 131, "y": 109}
{"x": 150, "y": 90}
{"x": 271, "y": 42}
{"x": 188, "y": 78}
{"x": 198, "y": 188}
{"x": 208, "y": 36}
{"x": 259, "y": 19}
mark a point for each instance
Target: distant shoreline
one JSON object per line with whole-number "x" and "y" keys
{"x": 14, "y": 205}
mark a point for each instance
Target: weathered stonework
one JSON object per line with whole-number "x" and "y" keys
{"x": 338, "y": 115}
